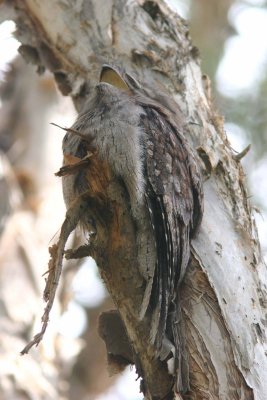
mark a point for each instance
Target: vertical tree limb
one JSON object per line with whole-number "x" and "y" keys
{"x": 225, "y": 287}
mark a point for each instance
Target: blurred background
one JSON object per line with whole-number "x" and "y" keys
{"x": 71, "y": 362}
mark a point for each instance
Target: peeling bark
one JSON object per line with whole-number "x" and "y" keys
{"x": 23, "y": 239}
{"x": 224, "y": 293}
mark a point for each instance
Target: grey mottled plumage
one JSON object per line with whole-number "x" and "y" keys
{"x": 140, "y": 134}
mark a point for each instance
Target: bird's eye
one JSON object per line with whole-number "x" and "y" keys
{"x": 110, "y": 76}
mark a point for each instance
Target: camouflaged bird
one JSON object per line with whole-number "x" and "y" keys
{"x": 138, "y": 135}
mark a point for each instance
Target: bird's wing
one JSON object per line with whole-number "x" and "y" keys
{"x": 174, "y": 199}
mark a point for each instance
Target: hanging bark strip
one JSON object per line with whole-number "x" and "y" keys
{"x": 226, "y": 343}
{"x": 73, "y": 216}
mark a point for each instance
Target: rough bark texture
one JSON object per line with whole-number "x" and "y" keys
{"x": 224, "y": 292}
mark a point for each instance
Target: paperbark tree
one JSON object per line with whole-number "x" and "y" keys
{"x": 21, "y": 244}
{"x": 224, "y": 294}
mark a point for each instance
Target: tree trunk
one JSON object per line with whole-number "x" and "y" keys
{"x": 224, "y": 295}
{"x": 23, "y": 246}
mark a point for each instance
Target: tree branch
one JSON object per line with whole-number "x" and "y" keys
{"x": 224, "y": 292}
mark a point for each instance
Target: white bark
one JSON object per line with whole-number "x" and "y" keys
{"x": 28, "y": 220}
{"x": 225, "y": 290}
